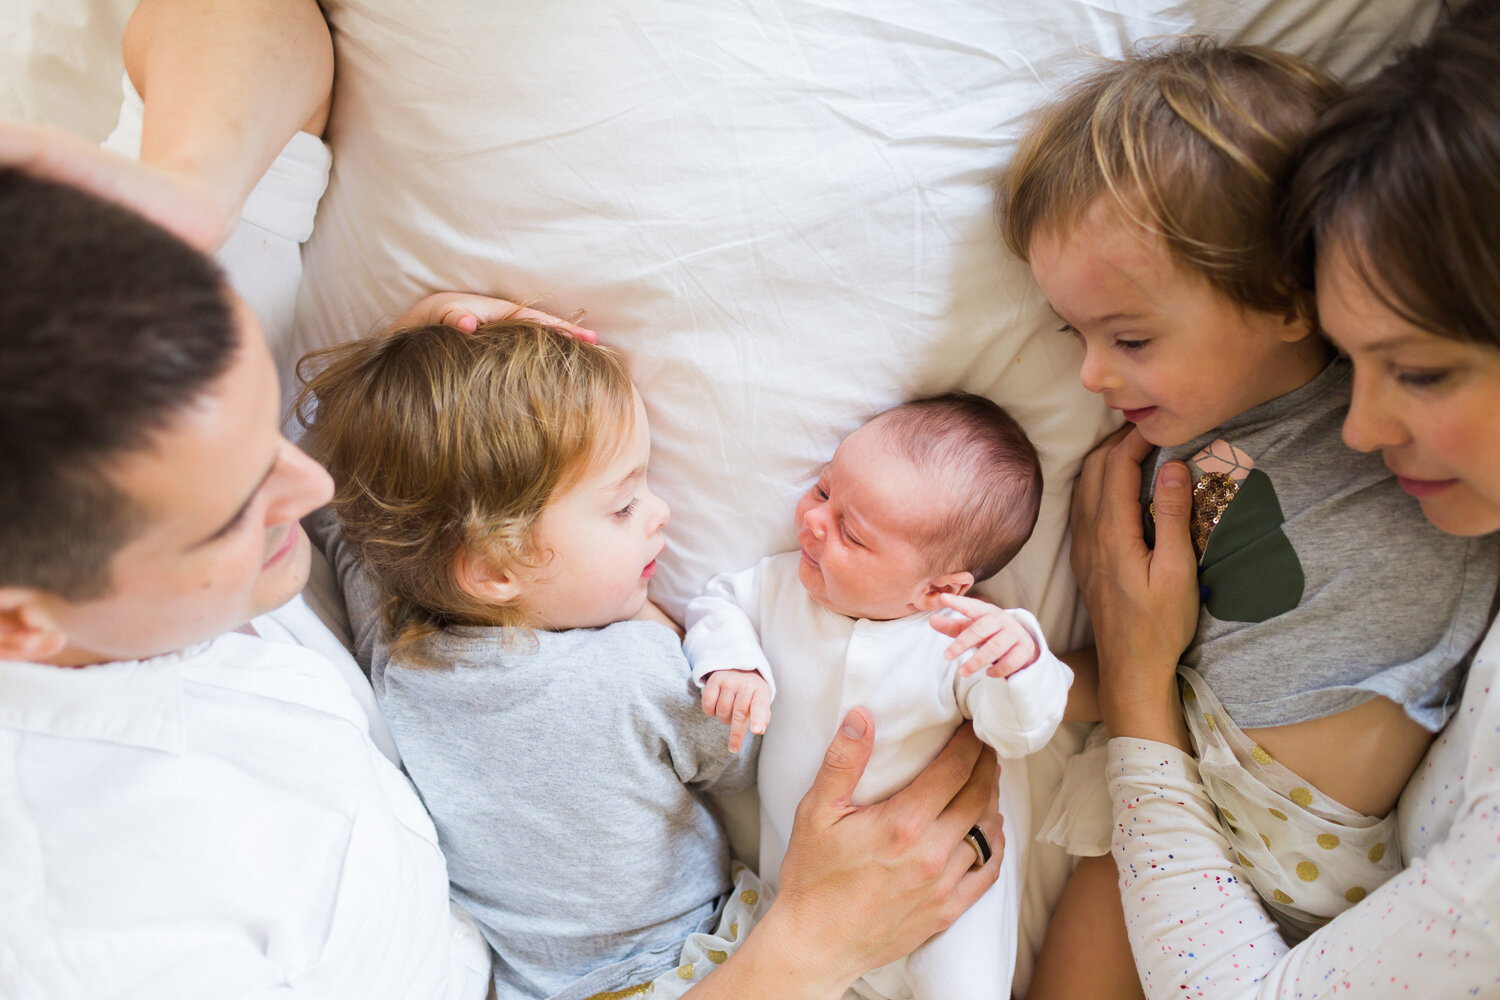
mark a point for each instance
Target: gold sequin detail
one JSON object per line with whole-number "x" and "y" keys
{"x": 1209, "y": 718}
{"x": 1327, "y": 841}
{"x": 1301, "y": 796}
{"x": 1376, "y": 853}
{"x": 1245, "y": 861}
{"x": 1211, "y": 496}
{"x": 1260, "y": 755}
{"x": 1307, "y": 871}
{"x": 1280, "y": 896}
{"x": 718, "y": 957}
{"x": 1355, "y": 895}
{"x": 1278, "y": 814}
{"x": 749, "y": 897}
{"x": 685, "y": 971}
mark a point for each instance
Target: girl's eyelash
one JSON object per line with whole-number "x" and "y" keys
{"x": 1130, "y": 344}
{"x": 1421, "y": 379}
{"x": 624, "y": 512}
{"x": 1068, "y": 329}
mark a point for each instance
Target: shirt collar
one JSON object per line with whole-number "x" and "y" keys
{"x": 135, "y": 703}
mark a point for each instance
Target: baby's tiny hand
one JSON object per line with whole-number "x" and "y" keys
{"x": 1001, "y": 644}
{"x": 738, "y": 698}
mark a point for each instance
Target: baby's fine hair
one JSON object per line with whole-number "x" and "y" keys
{"x": 1194, "y": 141}
{"x": 443, "y": 443}
{"x": 992, "y": 472}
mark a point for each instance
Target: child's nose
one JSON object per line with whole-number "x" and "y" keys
{"x": 1093, "y": 374}
{"x": 660, "y": 513}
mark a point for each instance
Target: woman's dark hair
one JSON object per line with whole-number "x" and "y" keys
{"x": 1404, "y": 175}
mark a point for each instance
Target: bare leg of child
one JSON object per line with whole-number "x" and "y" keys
{"x": 1086, "y": 955}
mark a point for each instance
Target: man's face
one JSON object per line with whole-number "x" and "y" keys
{"x": 219, "y": 493}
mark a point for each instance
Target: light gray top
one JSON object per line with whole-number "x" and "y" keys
{"x": 564, "y": 772}
{"x": 1325, "y": 584}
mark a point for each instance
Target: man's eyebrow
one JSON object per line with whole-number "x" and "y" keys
{"x": 239, "y": 514}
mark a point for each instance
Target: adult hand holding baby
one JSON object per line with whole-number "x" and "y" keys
{"x": 1143, "y": 601}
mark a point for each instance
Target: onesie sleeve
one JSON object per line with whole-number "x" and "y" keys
{"x": 1018, "y": 714}
{"x": 1197, "y": 930}
{"x": 723, "y": 628}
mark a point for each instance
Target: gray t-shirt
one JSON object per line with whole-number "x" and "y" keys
{"x": 564, "y": 772}
{"x": 1324, "y": 584}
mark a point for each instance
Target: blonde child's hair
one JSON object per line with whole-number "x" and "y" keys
{"x": 1194, "y": 141}
{"x": 443, "y": 444}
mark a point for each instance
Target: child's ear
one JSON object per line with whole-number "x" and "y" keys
{"x": 483, "y": 579}
{"x": 27, "y": 632}
{"x": 956, "y": 584}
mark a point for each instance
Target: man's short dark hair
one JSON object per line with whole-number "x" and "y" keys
{"x": 109, "y": 326}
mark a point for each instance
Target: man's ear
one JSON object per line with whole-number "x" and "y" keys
{"x": 27, "y": 631}
{"x": 956, "y": 584}
{"x": 483, "y": 580}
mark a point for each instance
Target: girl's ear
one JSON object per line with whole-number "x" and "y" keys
{"x": 956, "y": 584}
{"x": 482, "y": 579}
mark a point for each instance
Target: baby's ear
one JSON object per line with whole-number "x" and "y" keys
{"x": 956, "y": 584}
{"x": 481, "y": 577}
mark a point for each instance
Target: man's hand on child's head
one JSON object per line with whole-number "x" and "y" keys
{"x": 1001, "y": 644}
{"x": 740, "y": 699}
{"x": 465, "y": 312}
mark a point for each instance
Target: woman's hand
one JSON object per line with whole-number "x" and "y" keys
{"x": 466, "y": 311}
{"x": 1143, "y": 601}
{"x": 862, "y": 886}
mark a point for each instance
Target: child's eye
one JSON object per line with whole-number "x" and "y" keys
{"x": 624, "y": 512}
{"x": 1069, "y": 329}
{"x": 1131, "y": 343}
{"x": 1423, "y": 378}
{"x": 844, "y": 530}
{"x": 820, "y": 493}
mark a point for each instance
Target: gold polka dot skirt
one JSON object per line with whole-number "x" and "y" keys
{"x": 703, "y": 952}
{"x": 1309, "y": 857}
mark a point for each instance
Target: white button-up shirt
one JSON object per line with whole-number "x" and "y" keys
{"x": 214, "y": 823}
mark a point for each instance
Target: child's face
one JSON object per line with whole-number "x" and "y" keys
{"x": 598, "y": 541}
{"x": 1174, "y": 355}
{"x": 858, "y": 527}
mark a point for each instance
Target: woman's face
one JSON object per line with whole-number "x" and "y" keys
{"x": 1431, "y": 404}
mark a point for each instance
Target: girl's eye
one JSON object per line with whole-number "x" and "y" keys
{"x": 1069, "y": 329}
{"x": 1130, "y": 343}
{"x": 1424, "y": 378}
{"x": 624, "y": 512}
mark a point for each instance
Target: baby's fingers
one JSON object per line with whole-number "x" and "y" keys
{"x": 711, "y": 689}
{"x": 1020, "y": 655}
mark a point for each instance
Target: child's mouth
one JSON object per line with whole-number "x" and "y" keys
{"x": 1136, "y": 416}
{"x": 649, "y": 571}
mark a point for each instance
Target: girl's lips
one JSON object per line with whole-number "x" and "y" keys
{"x": 1424, "y": 487}
{"x": 285, "y": 547}
{"x": 1136, "y": 416}
{"x": 649, "y": 571}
